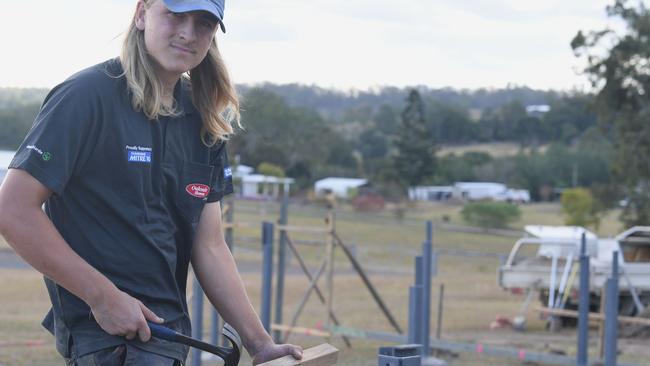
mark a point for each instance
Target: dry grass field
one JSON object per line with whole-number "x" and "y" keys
{"x": 386, "y": 248}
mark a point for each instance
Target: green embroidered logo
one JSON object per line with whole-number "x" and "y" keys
{"x": 47, "y": 156}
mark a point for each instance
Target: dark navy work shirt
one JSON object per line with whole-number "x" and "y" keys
{"x": 128, "y": 193}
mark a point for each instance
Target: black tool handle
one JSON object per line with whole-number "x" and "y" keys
{"x": 167, "y": 334}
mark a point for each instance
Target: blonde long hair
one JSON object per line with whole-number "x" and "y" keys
{"x": 213, "y": 94}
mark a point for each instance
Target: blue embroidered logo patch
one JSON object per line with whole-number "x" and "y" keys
{"x": 227, "y": 172}
{"x": 138, "y": 154}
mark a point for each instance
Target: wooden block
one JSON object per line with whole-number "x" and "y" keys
{"x": 321, "y": 355}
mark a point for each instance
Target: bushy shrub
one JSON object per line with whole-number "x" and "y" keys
{"x": 270, "y": 170}
{"x": 580, "y": 208}
{"x": 488, "y": 214}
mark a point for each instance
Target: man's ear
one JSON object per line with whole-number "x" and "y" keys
{"x": 140, "y": 12}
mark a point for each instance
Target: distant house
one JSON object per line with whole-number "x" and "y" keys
{"x": 341, "y": 187}
{"x": 264, "y": 186}
{"x": 258, "y": 186}
{"x": 537, "y": 110}
{"x": 473, "y": 191}
{"x": 431, "y": 193}
{"x": 469, "y": 191}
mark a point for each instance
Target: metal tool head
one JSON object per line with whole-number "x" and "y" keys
{"x": 232, "y": 358}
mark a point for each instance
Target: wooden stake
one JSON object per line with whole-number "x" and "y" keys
{"x": 322, "y": 355}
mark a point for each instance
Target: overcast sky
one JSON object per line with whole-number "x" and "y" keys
{"x": 332, "y": 43}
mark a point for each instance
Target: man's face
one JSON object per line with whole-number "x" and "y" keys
{"x": 178, "y": 42}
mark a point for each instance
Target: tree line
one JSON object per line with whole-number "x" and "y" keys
{"x": 367, "y": 139}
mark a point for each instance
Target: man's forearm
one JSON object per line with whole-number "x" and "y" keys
{"x": 33, "y": 236}
{"x": 218, "y": 275}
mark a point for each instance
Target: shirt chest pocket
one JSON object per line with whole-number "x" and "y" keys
{"x": 193, "y": 189}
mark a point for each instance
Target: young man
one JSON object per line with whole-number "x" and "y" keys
{"x": 129, "y": 158}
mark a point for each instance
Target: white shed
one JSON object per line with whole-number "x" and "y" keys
{"x": 258, "y": 186}
{"x": 472, "y": 191}
{"x": 430, "y": 193}
{"x": 341, "y": 187}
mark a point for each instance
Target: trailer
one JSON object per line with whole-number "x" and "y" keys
{"x": 546, "y": 261}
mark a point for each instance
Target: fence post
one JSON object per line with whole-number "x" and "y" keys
{"x": 415, "y": 305}
{"x": 197, "y": 319}
{"x": 279, "y": 289}
{"x": 611, "y": 314}
{"x": 267, "y": 274}
{"x": 441, "y": 301}
{"x": 427, "y": 248}
{"x": 583, "y": 305}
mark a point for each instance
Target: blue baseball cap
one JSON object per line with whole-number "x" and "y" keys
{"x": 214, "y": 7}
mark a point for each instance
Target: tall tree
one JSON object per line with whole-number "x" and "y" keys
{"x": 414, "y": 161}
{"x": 621, "y": 75}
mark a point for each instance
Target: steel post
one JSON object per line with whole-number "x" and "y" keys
{"x": 611, "y": 314}
{"x": 197, "y": 320}
{"x": 267, "y": 274}
{"x": 279, "y": 284}
{"x": 415, "y": 312}
{"x": 583, "y": 305}
{"x": 426, "y": 295}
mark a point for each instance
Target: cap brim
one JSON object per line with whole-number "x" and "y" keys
{"x": 197, "y": 5}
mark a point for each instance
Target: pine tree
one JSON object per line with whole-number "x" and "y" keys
{"x": 414, "y": 161}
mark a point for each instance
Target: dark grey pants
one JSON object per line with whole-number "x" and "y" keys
{"x": 123, "y": 355}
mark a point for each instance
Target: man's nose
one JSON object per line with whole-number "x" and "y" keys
{"x": 187, "y": 29}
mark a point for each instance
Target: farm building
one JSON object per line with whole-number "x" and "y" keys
{"x": 431, "y": 193}
{"x": 258, "y": 186}
{"x": 469, "y": 191}
{"x": 473, "y": 191}
{"x": 341, "y": 187}
{"x": 264, "y": 186}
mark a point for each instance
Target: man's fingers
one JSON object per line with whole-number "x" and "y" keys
{"x": 295, "y": 351}
{"x": 150, "y": 315}
{"x": 130, "y": 335}
{"x": 144, "y": 332}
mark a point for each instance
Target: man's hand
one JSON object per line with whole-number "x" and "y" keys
{"x": 126, "y": 316}
{"x": 271, "y": 351}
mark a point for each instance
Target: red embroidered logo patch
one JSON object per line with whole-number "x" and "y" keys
{"x": 198, "y": 190}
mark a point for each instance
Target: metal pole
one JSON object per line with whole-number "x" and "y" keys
{"x": 279, "y": 289}
{"x": 415, "y": 309}
{"x": 215, "y": 326}
{"x": 418, "y": 270}
{"x": 426, "y": 296}
{"x": 415, "y": 305}
{"x": 583, "y": 305}
{"x": 611, "y": 314}
{"x": 441, "y": 299}
{"x": 230, "y": 214}
{"x": 330, "y": 268}
{"x": 267, "y": 274}
{"x": 197, "y": 320}
{"x": 434, "y": 262}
